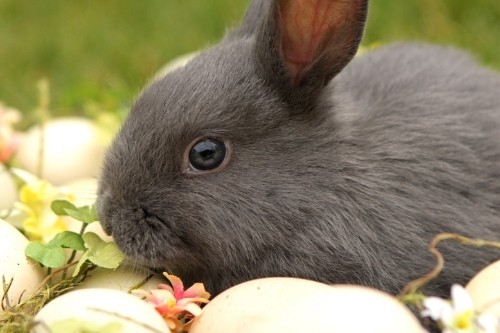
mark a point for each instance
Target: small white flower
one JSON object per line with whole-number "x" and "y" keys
{"x": 459, "y": 315}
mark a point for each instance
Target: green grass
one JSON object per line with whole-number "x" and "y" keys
{"x": 105, "y": 51}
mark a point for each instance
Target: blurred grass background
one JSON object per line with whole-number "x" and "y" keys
{"x": 103, "y": 52}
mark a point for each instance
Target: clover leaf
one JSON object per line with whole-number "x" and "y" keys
{"x": 52, "y": 254}
{"x": 67, "y": 239}
{"x": 59, "y": 207}
{"x": 52, "y": 257}
{"x": 99, "y": 252}
{"x": 85, "y": 214}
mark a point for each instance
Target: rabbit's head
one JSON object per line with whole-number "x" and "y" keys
{"x": 218, "y": 170}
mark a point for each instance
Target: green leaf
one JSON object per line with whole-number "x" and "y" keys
{"x": 83, "y": 259}
{"x": 67, "y": 239}
{"x": 86, "y": 214}
{"x": 82, "y": 326}
{"x": 100, "y": 253}
{"x": 107, "y": 256}
{"x": 92, "y": 240}
{"x": 59, "y": 207}
{"x": 52, "y": 254}
{"x": 47, "y": 256}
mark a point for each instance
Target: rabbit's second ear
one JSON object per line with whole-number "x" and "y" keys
{"x": 252, "y": 19}
{"x": 304, "y": 43}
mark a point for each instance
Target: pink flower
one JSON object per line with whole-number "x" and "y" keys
{"x": 9, "y": 139}
{"x": 177, "y": 306}
{"x": 8, "y": 146}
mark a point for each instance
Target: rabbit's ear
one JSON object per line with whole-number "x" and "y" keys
{"x": 253, "y": 18}
{"x": 303, "y": 44}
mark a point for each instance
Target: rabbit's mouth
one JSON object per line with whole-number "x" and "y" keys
{"x": 136, "y": 224}
{"x": 144, "y": 237}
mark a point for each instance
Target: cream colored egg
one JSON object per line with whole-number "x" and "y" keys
{"x": 26, "y": 276}
{"x": 84, "y": 190}
{"x": 95, "y": 227}
{"x": 72, "y": 150}
{"x": 101, "y": 307}
{"x": 296, "y": 306}
{"x": 484, "y": 289}
{"x": 8, "y": 189}
{"x": 124, "y": 278}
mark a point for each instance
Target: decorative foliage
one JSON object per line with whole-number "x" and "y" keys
{"x": 97, "y": 251}
{"x": 52, "y": 254}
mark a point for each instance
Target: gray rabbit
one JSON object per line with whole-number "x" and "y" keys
{"x": 275, "y": 153}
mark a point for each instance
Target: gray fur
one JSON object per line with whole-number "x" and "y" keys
{"x": 349, "y": 188}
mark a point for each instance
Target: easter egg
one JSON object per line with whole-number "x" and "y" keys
{"x": 72, "y": 150}
{"x": 484, "y": 289}
{"x": 100, "y": 307}
{"x": 84, "y": 190}
{"x": 124, "y": 278}
{"x": 8, "y": 189}
{"x": 294, "y": 306}
{"x": 25, "y": 275}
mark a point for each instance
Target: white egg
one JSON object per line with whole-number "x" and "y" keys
{"x": 101, "y": 307}
{"x": 124, "y": 278}
{"x": 72, "y": 150}
{"x": 484, "y": 289}
{"x": 95, "y": 227}
{"x": 296, "y": 306}
{"x": 84, "y": 190}
{"x": 8, "y": 189}
{"x": 26, "y": 275}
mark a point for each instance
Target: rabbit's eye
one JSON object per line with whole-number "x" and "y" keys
{"x": 207, "y": 154}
